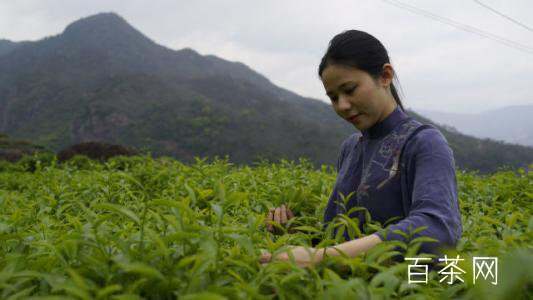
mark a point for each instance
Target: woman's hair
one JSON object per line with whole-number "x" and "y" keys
{"x": 361, "y": 50}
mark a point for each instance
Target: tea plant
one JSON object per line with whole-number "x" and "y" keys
{"x": 144, "y": 228}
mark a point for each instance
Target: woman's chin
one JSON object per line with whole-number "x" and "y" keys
{"x": 359, "y": 127}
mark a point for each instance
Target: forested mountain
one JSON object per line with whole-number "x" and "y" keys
{"x": 7, "y": 46}
{"x": 101, "y": 79}
{"x": 485, "y": 155}
{"x": 512, "y": 124}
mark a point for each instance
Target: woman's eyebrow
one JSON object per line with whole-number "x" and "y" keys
{"x": 346, "y": 83}
{"x": 329, "y": 93}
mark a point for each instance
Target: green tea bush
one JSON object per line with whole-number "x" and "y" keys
{"x": 143, "y": 228}
{"x": 81, "y": 162}
{"x": 6, "y": 166}
{"x": 124, "y": 163}
{"x": 32, "y": 162}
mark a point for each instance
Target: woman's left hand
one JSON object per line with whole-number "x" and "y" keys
{"x": 303, "y": 256}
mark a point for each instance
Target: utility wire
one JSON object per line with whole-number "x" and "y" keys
{"x": 503, "y": 15}
{"x": 464, "y": 27}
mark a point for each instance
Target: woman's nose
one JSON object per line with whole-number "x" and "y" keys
{"x": 344, "y": 103}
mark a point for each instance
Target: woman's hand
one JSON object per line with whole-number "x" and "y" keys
{"x": 303, "y": 256}
{"x": 278, "y": 215}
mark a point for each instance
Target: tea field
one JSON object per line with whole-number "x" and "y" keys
{"x": 145, "y": 228}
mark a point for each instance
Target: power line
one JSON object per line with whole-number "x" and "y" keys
{"x": 464, "y": 27}
{"x": 503, "y": 15}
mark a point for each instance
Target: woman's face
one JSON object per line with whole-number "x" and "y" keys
{"x": 356, "y": 96}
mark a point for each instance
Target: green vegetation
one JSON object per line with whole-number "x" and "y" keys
{"x": 13, "y": 150}
{"x": 137, "y": 227}
{"x": 177, "y": 103}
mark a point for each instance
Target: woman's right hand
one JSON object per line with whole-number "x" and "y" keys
{"x": 278, "y": 215}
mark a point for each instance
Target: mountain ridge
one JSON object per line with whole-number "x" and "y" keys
{"x": 127, "y": 89}
{"x": 511, "y": 124}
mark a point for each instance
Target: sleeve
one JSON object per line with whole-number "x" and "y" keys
{"x": 434, "y": 200}
{"x": 330, "y": 211}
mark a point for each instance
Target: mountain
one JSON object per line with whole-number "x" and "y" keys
{"x": 101, "y": 79}
{"x": 485, "y": 155}
{"x": 7, "y": 46}
{"x": 512, "y": 124}
{"x": 13, "y": 149}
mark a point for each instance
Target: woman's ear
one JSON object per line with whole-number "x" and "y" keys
{"x": 387, "y": 74}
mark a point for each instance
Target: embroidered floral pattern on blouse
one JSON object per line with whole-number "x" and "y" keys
{"x": 387, "y": 158}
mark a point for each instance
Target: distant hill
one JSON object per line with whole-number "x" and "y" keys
{"x": 485, "y": 155}
{"x": 8, "y": 46}
{"x": 13, "y": 149}
{"x": 101, "y": 79}
{"x": 512, "y": 124}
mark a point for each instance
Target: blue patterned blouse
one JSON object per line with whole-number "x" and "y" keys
{"x": 371, "y": 168}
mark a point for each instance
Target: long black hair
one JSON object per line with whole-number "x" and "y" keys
{"x": 361, "y": 50}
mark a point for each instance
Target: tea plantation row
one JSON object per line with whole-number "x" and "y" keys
{"x": 144, "y": 228}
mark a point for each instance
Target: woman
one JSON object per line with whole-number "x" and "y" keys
{"x": 397, "y": 168}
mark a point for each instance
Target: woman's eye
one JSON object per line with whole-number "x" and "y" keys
{"x": 350, "y": 90}
{"x": 333, "y": 99}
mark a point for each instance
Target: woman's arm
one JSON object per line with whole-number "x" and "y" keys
{"x": 306, "y": 256}
{"x": 351, "y": 248}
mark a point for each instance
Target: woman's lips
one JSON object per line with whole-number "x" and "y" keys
{"x": 353, "y": 118}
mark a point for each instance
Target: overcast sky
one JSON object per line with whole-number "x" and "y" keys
{"x": 439, "y": 66}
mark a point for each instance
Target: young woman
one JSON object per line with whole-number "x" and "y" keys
{"x": 397, "y": 168}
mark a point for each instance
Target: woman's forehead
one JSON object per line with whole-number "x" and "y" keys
{"x": 335, "y": 71}
{"x": 336, "y": 75}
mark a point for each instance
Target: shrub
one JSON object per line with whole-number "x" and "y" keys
{"x": 11, "y": 155}
{"x": 124, "y": 163}
{"x": 7, "y": 166}
{"x": 167, "y": 230}
{"x": 95, "y": 150}
{"x": 35, "y": 161}
{"x": 80, "y": 162}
